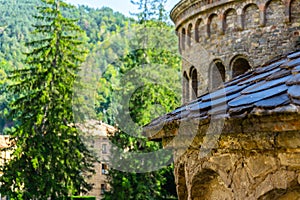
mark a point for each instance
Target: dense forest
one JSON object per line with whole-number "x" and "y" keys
{"x": 121, "y": 80}
{"x": 16, "y": 25}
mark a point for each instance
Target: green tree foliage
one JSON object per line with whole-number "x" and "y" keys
{"x": 4, "y": 96}
{"x": 49, "y": 158}
{"x": 17, "y": 20}
{"x": 141, "y": 94}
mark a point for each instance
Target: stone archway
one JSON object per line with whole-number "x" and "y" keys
{"x": 216, "y": 74}
{"x": 189, "y": 35}
{"x": 239, "y": 65}
{"x": 274, "y": 13}
{"x": 194, "y": 79}
{"x": 250, "y": 16}
{"x": 185, "y": 89}
{"x": 230, "y": 21}
{"x": 208, "y": 185}
{"x": 295, "y": 11}
{"x": 183, "y": 39}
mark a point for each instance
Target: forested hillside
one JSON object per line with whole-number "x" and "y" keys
{"x": 16, "y": 24}
{"x": 17, "y": 18}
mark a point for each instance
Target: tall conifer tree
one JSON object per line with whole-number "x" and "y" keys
{"x": 50, "y": 159}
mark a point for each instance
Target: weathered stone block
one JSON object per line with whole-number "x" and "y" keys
{"x": 292, "y": 160}
{"x": 289, "y": 139}
{"x": 261, "y": 165}
{"x": 225, "y": 161}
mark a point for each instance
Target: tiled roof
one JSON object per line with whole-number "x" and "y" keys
{"x": 96, "y": 128}
{"x": 271, "y": 88}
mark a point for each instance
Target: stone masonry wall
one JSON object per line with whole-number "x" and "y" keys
{"x": 224, "y": 30}
{"x": 245, "y": 164}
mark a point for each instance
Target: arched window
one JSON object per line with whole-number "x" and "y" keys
{"x": 199, "y": 30}
{"x": 185, "y": 89}
{"x": 251, "y": 16}
{"x": 194, "y": 78}
{"x": 275, "y": 13}
{"x": 212, "y": 26}
{"x": 230, "y": 21}
{"x": 239, "y": 66}
{"x": 216, "y": 74}
{"x": 295, "y": 11}
{"x": 183, "y": 35}
{"x": 189, "y": 35}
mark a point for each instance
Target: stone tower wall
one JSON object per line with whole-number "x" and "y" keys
{"x": 222, "y": 31}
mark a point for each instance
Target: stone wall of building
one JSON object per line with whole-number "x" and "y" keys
{"x": 248, "y": 162}
{"x": 232, "y": 33}
{"x": 97, "y": 134}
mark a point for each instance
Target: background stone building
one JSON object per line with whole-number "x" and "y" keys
{"x": 238, "y": 139}
{"x": 97, "y": 134}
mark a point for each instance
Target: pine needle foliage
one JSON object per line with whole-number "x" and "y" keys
{"x": 50, "y": 159}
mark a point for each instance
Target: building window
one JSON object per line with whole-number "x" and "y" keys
{"x": 189, "y": 35}
{"x": 104, "y": 148}
{"x": 216, "y": 74}
{"x": 183, "y": 33}
{"x": 186, "y": 93}
{"x": 194, "y": 77}
{"x": 104, "y": 169}
{"x": 103, "y": 188}
{"x": 239, "y": 66}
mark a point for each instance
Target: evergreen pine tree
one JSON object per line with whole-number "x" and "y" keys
{"x": 50, "y": 159}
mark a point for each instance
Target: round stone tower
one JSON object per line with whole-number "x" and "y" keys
{"x": 221, "y": 39}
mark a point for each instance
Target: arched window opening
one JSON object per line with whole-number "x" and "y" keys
{"x": 183, "y": 34}
{"x": 230, "y": 21}
{"x": 194, "y": 77}
{"x": 199, "y": 30}
{"x": 217, "y": 74}
{"x": 189, "y": 35}
{"x": 240, "y": 66}
{"x": 251, "y": 16}
{"x": 275, "y": 12}
{"x": 295, "y": 11}
{"x": 185, "y": 89}
{"x": 212, "y": 28}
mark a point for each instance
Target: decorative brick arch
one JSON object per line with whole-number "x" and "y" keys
{"x": 199, "y": 30}
{"x": 212, "y": 25}
{"x": 230, "y": 23}
{"x": 239, "y": 65}
{"x": 250, "y": 16}
{"x": 295, "y": 11}
{"x": 189, "y": 35}
{"x": 274, "y": 13}
{"x": 216, "y": 74}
